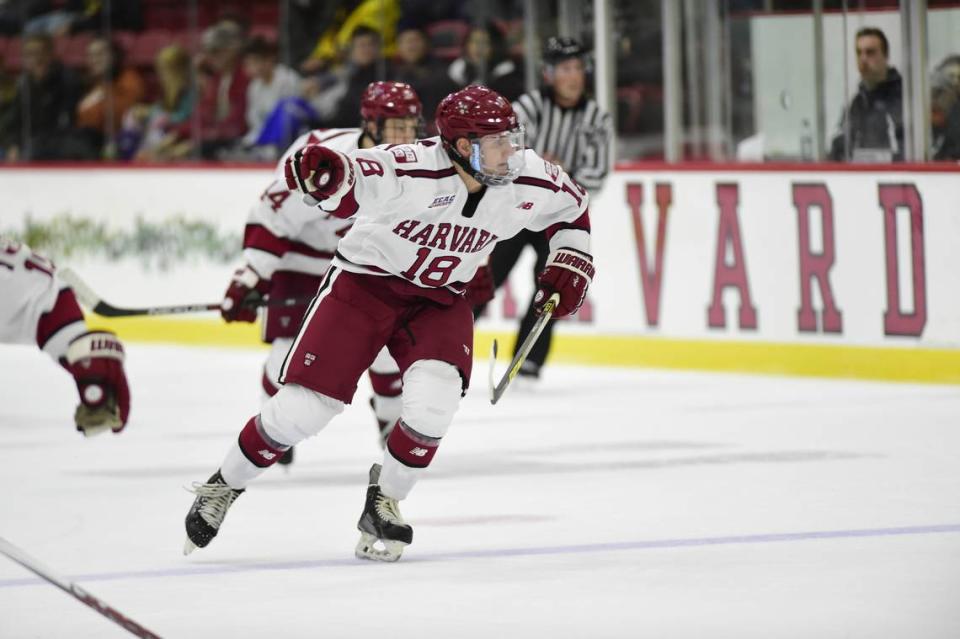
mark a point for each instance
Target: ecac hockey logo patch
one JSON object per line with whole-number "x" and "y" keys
{"x": 442, "y": 200}
{"x": 308, "y": 359}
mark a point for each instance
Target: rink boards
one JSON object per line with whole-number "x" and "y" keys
{"x": 786, "y": 269}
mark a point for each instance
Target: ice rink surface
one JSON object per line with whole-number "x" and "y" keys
{"x": 606, "y": 503}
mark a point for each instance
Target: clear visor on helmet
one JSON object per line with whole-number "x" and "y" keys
{"x": 498, "y": 158}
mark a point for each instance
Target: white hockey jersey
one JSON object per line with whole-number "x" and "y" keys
{"x": 283, "y": 233}
{"x": 29, "y": 290}
{"x": 415, "y": 219}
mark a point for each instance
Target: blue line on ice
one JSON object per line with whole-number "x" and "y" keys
{"x": 493, "y": 553}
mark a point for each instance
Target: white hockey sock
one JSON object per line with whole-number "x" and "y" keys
{"x": 397, "y": 479}
{"x": 237, "y": 470}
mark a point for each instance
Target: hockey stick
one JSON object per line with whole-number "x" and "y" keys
{"x": 74, "y": 590}
{"x": 103, "y": 308}
{"x": 497, "y": 391}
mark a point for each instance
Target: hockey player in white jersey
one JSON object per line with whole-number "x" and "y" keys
{"x": 40, "y": 309}
{"x": 427, "y": 215}
{"x": 288, "y": 245}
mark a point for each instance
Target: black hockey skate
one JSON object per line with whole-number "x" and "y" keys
{"x": 381, "y": 522}
{"x": 287, "y": 457}
{"x": 206, "y": 515}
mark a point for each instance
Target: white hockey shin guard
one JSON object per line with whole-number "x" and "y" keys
{"x": 431, "y": 396}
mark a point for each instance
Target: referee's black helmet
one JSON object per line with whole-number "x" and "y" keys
{"x": 559, "y": 49}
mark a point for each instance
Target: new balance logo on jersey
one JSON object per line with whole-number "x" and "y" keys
{"x": 308, "y": 359}
{"x": 266, "y": 454}
{"x": 442, "y": 200}
{"x": 419, "y": 452}
{"x": 526, "y": 206}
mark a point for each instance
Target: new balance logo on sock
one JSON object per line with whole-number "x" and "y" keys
{"x": 266, "y": 454}
{"x": 419, "y": 452}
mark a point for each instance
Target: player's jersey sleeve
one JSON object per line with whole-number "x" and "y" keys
{"x": 280, "y": 223}
{"x": 564, "y": 213}
{"x": 37, "y": 307}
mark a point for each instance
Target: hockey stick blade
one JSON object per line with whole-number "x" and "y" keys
{"x": 103, "y": 308}
{"x": 74, "y": 590}
{"x": 496, "y": 392}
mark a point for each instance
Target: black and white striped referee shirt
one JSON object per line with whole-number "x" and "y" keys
{"x": 578, "y": 137}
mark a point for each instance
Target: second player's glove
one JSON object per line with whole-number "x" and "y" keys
{"x": 243, "y": 295}
{"x": 569, "y": 273}
{"x": 95, "y": 360}
{"x": 319, "y": 172}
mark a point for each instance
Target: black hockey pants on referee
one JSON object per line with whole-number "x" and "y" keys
{"x": 505, "y": 256}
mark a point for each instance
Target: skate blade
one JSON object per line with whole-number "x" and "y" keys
{"x": 369, "y": 547}
{"x": 189, "y": 547}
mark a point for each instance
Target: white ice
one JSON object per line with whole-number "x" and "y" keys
{"x": 606, "y": 503}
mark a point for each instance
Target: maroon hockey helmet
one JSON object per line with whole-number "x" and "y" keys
{"x": 487, "y": 120}
{"x": 382, "y": 100}
{"x": 474, "y": 112}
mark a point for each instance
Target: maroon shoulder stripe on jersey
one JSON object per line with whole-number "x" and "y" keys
{"x": 257, "y": 236}
{"x": 532, "y": 181}
{"x": 65, "y": 312}
{"x": 427, "y": 173}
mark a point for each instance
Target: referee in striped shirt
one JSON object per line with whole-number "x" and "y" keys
{"x": 566, "y": 127}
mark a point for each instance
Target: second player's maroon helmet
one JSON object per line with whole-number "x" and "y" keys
{"x": 382, "y": 100}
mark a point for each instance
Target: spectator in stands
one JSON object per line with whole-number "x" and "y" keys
{"x": 42, "y": 111}
{"x": 222, "y": 104}
{"x": 873, "y": 123}
{"x": 112, "y": 88}
{"x": 484, "y": 61}
{"x": 149, "y": 130}
{"x": 945, "y": 110}
{"x": 336, "y": 96}
{"x": 270, "y": 82}
{"x": 379, "y": 16}
{"x": 414, "y": 65}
